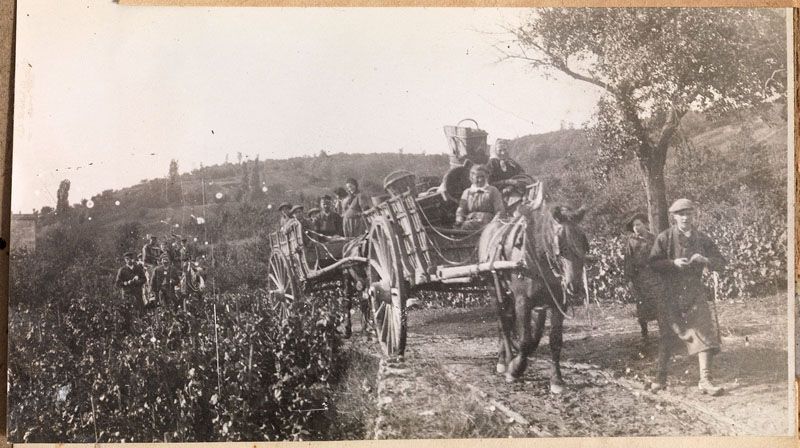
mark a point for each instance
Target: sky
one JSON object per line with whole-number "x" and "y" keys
{"x": 106, "y": 94}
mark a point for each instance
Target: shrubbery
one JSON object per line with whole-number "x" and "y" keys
{"x": 85, "y": 367}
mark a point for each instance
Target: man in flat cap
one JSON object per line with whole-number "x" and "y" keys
{"x": 163, "y": 282}
{"x": 680, "y": 254}
{"x": 130, "y": 279}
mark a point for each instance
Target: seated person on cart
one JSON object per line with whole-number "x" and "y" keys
{"x": 298, "y": 212}
{"x": 286, "y": 214}
{"x": 328, "y": 223}
{"x": 502, "y": 168}
{"x": 479, "y": 203}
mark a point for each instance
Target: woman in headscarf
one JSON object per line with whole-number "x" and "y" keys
{"x": 353, "y": 207}
{"x": 501, "y": 166}
{"x": 643, "y": 282}
{"x": 479, "y": 203}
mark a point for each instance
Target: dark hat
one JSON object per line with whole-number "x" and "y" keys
{"x": 296, "y": 208}
{"x": 325, "y": 197}
{"x": 350, "y": 180}
{"x": 284, "y": 205}
{"x": 629, "y": 223}
{"x": 681, "y": 204}
{"x": 340, "y": 192}
{"x": 313, "y": 210}
{"x": 129, "y": 255}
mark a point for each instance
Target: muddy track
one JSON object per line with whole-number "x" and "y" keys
{"x": 596, "y": 402}
{"x": 448, "y": 377}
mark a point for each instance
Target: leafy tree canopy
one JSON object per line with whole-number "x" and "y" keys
{"x": 654, "y": 65}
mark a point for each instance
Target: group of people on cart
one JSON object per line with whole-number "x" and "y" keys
{"x": 154, "y": 276}
{"x": 343, "y": 216}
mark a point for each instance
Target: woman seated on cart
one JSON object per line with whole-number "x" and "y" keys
{"x": 502, "y": 168}
{"x": 479, "y": 203}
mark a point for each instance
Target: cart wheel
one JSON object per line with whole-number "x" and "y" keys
{"x": 388, "y": 290}
{"x": 282, "y": 287}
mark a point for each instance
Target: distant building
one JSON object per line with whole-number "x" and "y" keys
{"x": 23, "y": 231}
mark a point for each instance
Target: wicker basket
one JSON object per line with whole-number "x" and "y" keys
{"x": 400, "y": 182}
{"x": 467, "y": 143}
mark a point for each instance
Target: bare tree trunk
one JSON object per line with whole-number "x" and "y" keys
{"x": 656, "y": 195}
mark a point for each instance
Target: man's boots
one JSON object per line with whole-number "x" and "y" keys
{"x": 705, "y": 385}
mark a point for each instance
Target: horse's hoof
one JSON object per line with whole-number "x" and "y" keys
{"x": 556, "y": 388}
{"x": 511, "y": 378}
{"x": 501, "y": 368}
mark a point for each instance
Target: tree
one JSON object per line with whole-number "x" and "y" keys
{"x": 653, "y": 65}
{"x": 255, "y": 181}
{"x": 245, "y": 186}
{"x": 173, "y": 182}
{"x": 62, "y": 198}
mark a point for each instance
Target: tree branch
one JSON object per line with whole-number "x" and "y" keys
{"x": 548, "y": 59}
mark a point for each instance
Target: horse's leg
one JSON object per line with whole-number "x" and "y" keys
{"x": 643, "y": 327}
{"x": 522, "y": 308}
{"x": 556, "y": 342}
{"x": 506, "y": 315}
{"x": 538, "y": 327}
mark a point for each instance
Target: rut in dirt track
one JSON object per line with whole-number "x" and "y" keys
{"x": 594, "y": 403}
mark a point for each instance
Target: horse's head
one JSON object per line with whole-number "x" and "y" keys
{"x": 567, "y": 248}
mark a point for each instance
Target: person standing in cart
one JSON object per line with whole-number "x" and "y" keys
{"x": 479, "y": 203}
{"x": 329, "y": 223}
{"x": 644, "y": 284}
{"x": 353, "y": 206}
{"x": 680, "y": 254}
{"x": 340, "y": 194}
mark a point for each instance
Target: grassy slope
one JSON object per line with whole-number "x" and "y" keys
{"x": 551, "y": 156}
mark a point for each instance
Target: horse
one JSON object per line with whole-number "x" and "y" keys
{"x": 552, "y": 249}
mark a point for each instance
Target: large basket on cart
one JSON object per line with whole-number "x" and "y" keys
{"x": 467, "y": 143}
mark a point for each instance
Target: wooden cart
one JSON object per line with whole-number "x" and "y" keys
{"x": 410, "y": 245}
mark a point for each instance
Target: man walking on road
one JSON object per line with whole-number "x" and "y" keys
{"x": 680, "y": 254}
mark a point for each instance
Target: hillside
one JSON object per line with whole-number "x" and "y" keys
{"x": 732, "y": 152}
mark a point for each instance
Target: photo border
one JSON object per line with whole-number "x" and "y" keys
{"x": 7, "y": 45}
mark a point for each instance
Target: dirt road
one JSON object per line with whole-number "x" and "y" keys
{"x": 447, "y": 386}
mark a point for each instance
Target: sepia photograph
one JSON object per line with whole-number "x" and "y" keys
{"x": 336, "y": 224}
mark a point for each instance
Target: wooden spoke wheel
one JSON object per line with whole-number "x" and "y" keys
{"x": 387, "y": 288}
{"x": 283, "y": 288}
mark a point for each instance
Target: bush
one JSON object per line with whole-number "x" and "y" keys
{"x": 85, "y": 367}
